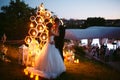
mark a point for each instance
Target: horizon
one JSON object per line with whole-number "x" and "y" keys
{"x": 77, "y": 9}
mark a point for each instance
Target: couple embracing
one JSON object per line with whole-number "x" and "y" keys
{"x": 50, "y": 62}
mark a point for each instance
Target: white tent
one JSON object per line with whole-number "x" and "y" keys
{"x": 93, "y": 32}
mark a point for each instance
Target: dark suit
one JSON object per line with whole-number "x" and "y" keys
{"x": 59, "y": 40}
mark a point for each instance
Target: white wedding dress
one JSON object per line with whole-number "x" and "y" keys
{"x": 49, "y": 63}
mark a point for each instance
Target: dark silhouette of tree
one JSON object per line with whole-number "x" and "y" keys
{"x": 94, "y": 22}
{"x": 15, "y": 19}
{"x": 116, "y": 23}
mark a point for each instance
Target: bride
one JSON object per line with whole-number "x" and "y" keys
{"x": 49, "y": 63}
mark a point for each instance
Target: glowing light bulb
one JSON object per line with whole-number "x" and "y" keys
{"x": 31, "y": 25}
{"x": 36, "y": 77}
{"x": 41, "y": 19}
{"x": 77, "y": 61}
{"x": 44, "y": 37}
{"x": 28, "y": 40}
{"x": 47, "y": 14}
{"x": 73, "y": 57}
{"x": 31, "y": 75}
{"x": 33, "y": 33}
{"x": 26, "y": 72}
{"x": 41, "y": 27}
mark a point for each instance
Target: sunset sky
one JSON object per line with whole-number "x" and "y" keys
{"x": 78, "y": 9}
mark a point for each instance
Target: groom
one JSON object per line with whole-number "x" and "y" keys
{"x": 59, "y": 40}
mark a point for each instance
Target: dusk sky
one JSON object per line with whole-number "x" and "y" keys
{"x": 78, "y": 9}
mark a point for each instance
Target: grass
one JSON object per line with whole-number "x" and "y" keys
{"x": 91, "y": 71}
{"x": 86, "y": 69}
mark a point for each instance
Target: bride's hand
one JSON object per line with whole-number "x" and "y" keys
{"x": 52, "y": 42}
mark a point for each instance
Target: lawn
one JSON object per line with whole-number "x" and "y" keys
{"x": 86, "y": 69}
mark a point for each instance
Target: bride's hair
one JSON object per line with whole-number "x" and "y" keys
{"x": 57, "y": 20}
{"x": 49, "y": 25}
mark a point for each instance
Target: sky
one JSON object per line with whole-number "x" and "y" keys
{"x": 77, "y": 9}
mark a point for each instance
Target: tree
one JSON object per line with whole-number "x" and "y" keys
{"x": 15, "y": 19}
{"x": 94, "y": 22}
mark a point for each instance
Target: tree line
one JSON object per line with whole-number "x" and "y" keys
{"x": 14, "y": 20}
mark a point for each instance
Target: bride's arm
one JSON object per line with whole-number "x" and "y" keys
{"x": 55, "y": 32}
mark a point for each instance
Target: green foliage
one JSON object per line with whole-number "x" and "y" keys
{"x": 14, "y": 19}
{"x": 79, "y": 50}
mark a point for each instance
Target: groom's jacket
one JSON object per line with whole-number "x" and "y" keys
{"x": 59, "y": 40}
